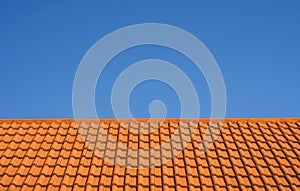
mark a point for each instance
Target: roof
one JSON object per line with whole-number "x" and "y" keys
{"x": 248, "y": 154}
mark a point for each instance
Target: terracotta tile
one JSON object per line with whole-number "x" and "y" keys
{"x": 23, "y": 171}
{"x": 216, "y": 171}
{"x": 42, "y": 131}
{"x": 6, "y": 180}
{"x": 50, "y": 162}
{"x": 62, "y": 161}
{"x": 76, "y": 153}
{"x": 271, "y": 161}
{"x": 63, "y": 130}
{"x": 54, "y": 153}
{"x": 80, "y": 181}
{"x": 67, "y": 146}
{"x": 240, "y": 171}
{"x": 71, "y": 171}
{"x": 288, "y": 170}
{"x": 268, "y": 180}
{"x": 195, "y": 181}
{"x": 281, "y": 138}
{"x": 28, "y": 161}
{"x": 30, "y": 180}
{"x": 83, "y": 171}
{"x": 237, "y": 162}
{"x": 294, "y": 180}
{"x": 231, "y": 146}
{"x": 55, "y": 181}
{"x": 228, "y": 171}
{"x": 118, "y": 182}
{"x": 42, "y": 153}
{"x": 59, "y": 171}
{"x": 7, "y": 138}
{"x": 9, "y": 153}
{"x": 35, "y": 170}
{"x": 11, "y": 171}
{"x": 267, "y": 154}
{"x": 14, "y": 187}
{"x": 253, "y": 171}
{"x": 245, "y": 154}
{"x": 271, "y": 188}
{"x": 93, "y": 180}
{"x": 26, "y": 187}
{"x": 68, "y": 180}
{"x": 220, "y": 181}
{"x": 24, "y": 145}
{"x": 45, "y": 146}
{"x": 15, "y": 161}
{"x": 256, "y": 181}
{"x": 202, "y": 171}
{"x": 291, "y": 138}
{"x": 105, "y": 182}
{"x": 35, "y": 145}
{"x": 43, "y": 180}
{"x": 72, "y": 132}
{"x": 66, "y": 187}
{"x": 47, "y": 171}
{"x": 294, "y": 162}
{"x": 3, "y": 145}
{"x": 20, "y": 153}
{"x": 249, "y": 162}
{"x": 31, "y": 131}
{"x": 94, "y": 131}
{"x": 281, "y": 181}
{"x": 258, "y": 158}
{"x": 238, "y": 138}
{"x": 249, "y": 137}
{"x": 213, "y": 162}
{"x": 244, "y": 180}
{"x": 12, "y": 131}
{"x": 192, "y": 171}
{"x": 276, "y": 171}
{"x": 210, "y": 153}
{"x": 59, "y": 139}
{"x": 77, "y": 187}
{"x": 232, "y": 181}
{"x": 13, "y": 145}
{"x": 70, "y": 138}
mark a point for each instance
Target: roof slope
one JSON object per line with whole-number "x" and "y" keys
{"x": 248, "y": 154}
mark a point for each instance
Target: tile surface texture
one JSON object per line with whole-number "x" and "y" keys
{"x": 253, "y": 154}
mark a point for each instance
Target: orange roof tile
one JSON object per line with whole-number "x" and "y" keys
{"x": 52, "y": 154}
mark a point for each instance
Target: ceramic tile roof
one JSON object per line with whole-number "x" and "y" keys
{"x": 248, "y": 154}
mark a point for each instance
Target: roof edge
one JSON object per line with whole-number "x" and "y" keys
{"x": 165, "y": 120}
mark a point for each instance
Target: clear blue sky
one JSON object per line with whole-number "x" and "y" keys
{"x": 256, "y": 44}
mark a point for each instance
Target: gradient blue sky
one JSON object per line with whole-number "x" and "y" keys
{"x": 256, "y": 44}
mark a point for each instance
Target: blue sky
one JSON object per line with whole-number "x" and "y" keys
{"x": 256, "y": 45}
